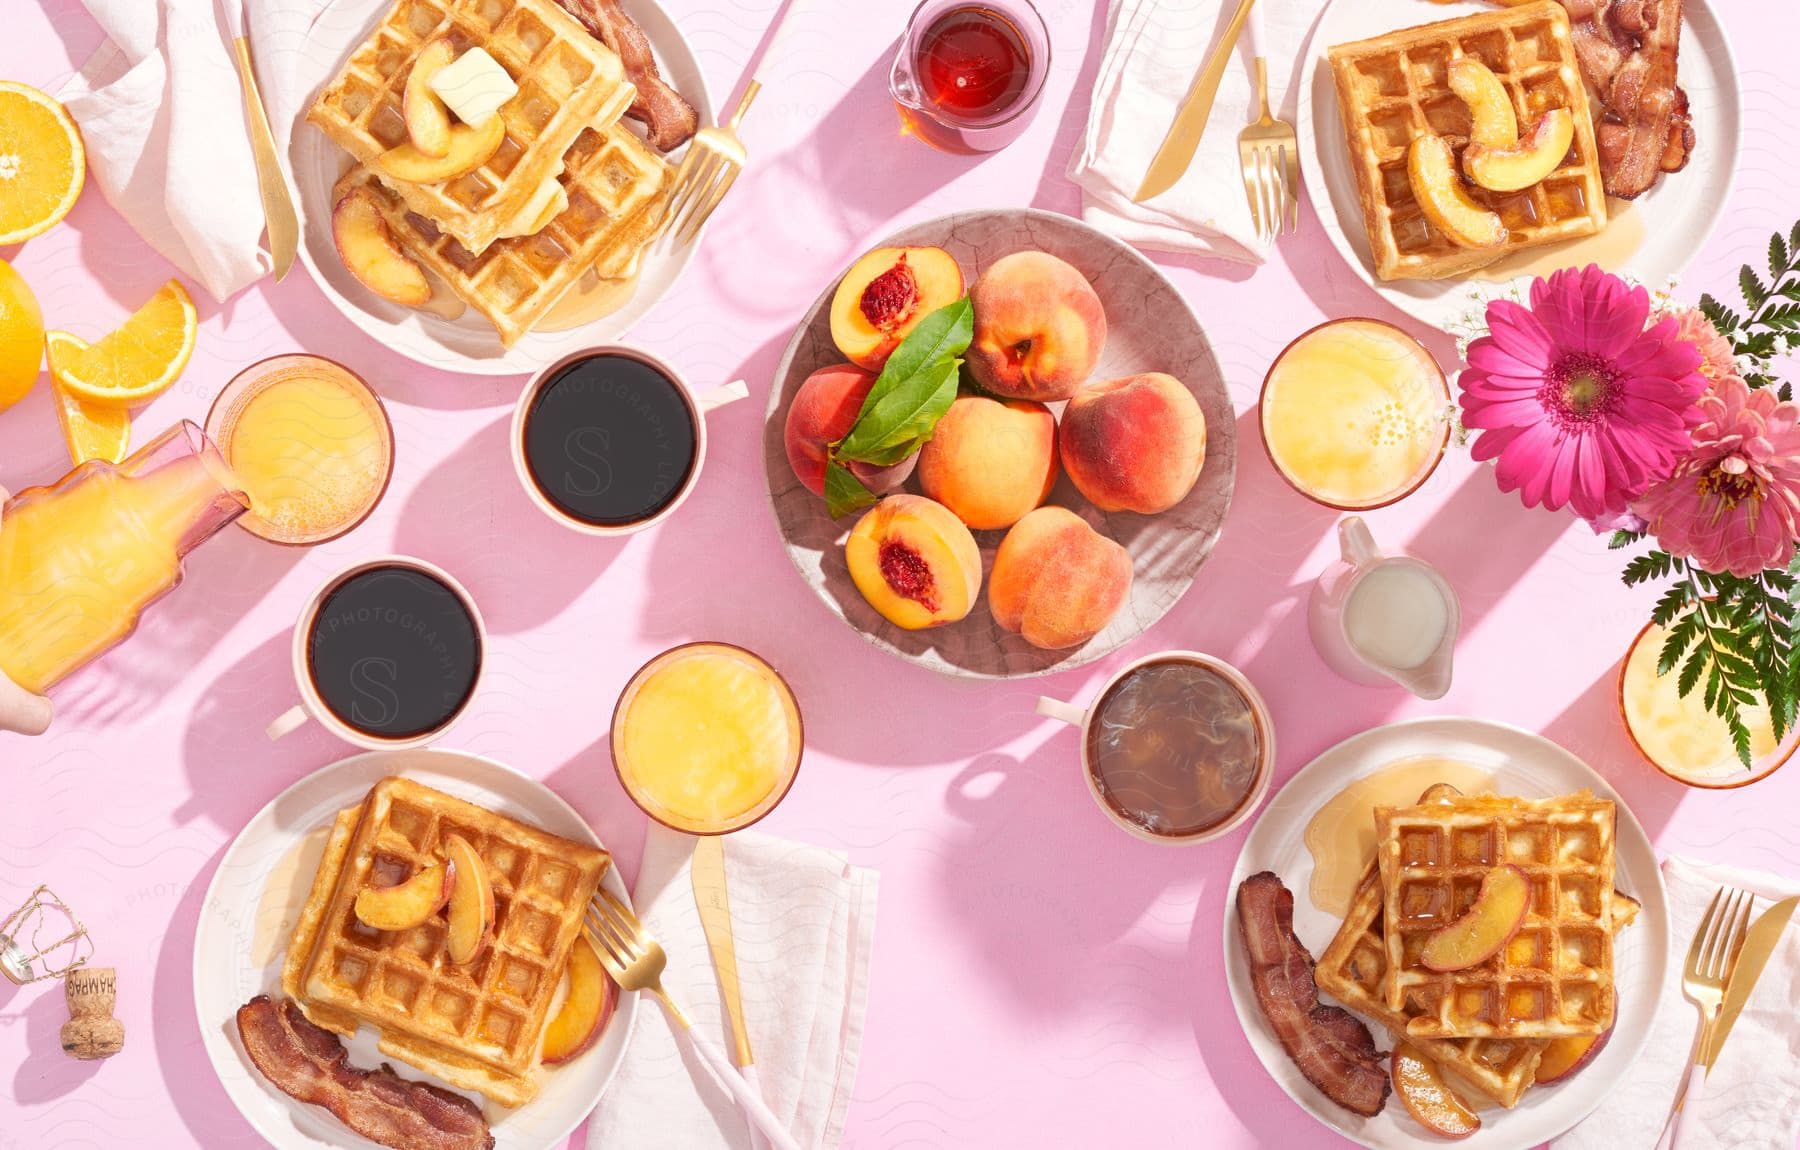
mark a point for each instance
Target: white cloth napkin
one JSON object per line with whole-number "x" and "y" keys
{"x": 1752, "y": 1098}
{"x": 1153, "y": 49}
{"x": 803, "y": 920}
{"x": 162, "y": 117}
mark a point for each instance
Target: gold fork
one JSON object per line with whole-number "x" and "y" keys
{"x": 636, "y": 962}
{"x": 1268, "y": 153}
{"x": 714, "y": 158}
{"x": 1710, "y": 961}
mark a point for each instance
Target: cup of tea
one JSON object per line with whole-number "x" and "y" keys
{"x": 968, "y": 76}
{"x": 1177, "y": 748}
{"x": 387, "y": 654}
{"x": 706, "y": 738}
{"x": 610, "y": 440}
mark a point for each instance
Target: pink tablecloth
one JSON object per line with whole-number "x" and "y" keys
{"x": 1040, "y": 979}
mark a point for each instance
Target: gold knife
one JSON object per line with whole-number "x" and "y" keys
{"x": 707, "y": 873}
{"x": 1178, "y": 146}
{"x": 1759, "y": 944}
{"x": 278, "y": 206}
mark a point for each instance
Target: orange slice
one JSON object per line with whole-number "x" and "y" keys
{"x": 42, "y": 163}
{"x": 91, "y": 431}
{"x": 21, "y": 337}
{"x": 139, "y": 361}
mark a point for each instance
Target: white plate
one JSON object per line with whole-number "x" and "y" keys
{"x": 467, "y": 344}
{"x": 1523, "y": 764}
{"x": 1668, "y": 224}
{"x": 256, "y": 896}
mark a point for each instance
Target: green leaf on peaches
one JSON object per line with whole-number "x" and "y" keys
{"x": 843, "y": 492}
{"x": 914, "y": 389}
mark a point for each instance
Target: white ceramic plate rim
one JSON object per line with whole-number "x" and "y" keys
{"x": 1275, "y": 843}
{"x": 1694, "y": 199}
{"x": 227, "y": 924}
{"x": 469, "y": 344}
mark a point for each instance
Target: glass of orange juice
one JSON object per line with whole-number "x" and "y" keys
{"x": 706, "y": 738}
{"x": 1679, "y": 736}
{"x": 1355, "y": 414}
{"x": 310, "y": 442}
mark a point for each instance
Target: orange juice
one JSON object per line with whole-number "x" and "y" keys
{"x": 706, "y": 738}
{"x": 1355, "y": 414}
{"x": 1679, "y": 735}
{"x": 311, "y": 444}
{"x": 81, "y": 560}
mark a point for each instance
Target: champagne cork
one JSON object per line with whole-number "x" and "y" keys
{"x": 91, "y": 1032}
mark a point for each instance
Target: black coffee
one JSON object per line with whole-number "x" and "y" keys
{"x": 394, "y": 652}
{"x": 610, "y": 440}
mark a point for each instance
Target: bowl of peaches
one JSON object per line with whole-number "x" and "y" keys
{"x": 999, "y": 444}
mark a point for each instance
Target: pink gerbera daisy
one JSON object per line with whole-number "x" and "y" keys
{"x": 1734, "y": 503}
{"x": 1580, "y": 404}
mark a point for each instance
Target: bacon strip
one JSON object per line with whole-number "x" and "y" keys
{"x": 1628, "y": 50}
{"x": 1330, "y": 1045}
{"x": 308, "y": 1063}
{"x": 669, "y": 120}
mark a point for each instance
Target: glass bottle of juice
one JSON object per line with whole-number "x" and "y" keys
{"x": 80, "y": 560}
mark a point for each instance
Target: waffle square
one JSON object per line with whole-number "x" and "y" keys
{"x": 616, "y": 189}
{"x": 567, "y": 79}
{"x": 476, "y": 1026}
{"x": 1354, "y": 968}
{"x": 1556, "y": 975}
{"x": 1395, "y": 87}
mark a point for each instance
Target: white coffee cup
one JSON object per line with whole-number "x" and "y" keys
{"x": 1083, "y": 719}
{"x": 312, "y": 705}
{"x": 697, "y": 411}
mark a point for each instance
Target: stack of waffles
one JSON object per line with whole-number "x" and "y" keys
{"x": 479, "y": 1025}
{"x": 570, "y": 192}
{"x": 1487, "y": 1026}
{"x": 1395, "y": 87}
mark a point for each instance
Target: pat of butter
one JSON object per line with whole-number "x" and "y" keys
{"x": 548, "y": 202}
{"x": 474, "y": 85}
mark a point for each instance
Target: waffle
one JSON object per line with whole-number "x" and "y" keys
{"x": 616, "y": 188}
{"x": 1556, "y": 975}
{"x": 567, "y": 81}
{"x": 1394, "y": 87}
{"x": 478, "y": 1026}
{"x": 1354, "y": 966}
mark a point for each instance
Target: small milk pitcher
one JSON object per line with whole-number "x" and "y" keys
{"x": 1377, "y": 618}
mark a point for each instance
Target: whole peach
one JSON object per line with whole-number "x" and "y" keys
{"x": 822, "y": 413}
{"x": 1039, "y": 328}
{"x": 1056, "y": 581}
{"x": 1134, "y": 444}
{"x": 990, "y": 460}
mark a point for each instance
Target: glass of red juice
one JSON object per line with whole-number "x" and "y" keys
{"x": 968, "y": 75}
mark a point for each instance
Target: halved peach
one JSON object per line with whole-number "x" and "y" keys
{"x": 885, "y": 294}
{"x": 1564, "y": 1056}
{"x": 370, "y": 254}
{"x": 1540, "y": 152}
{"x": 1486, "y": 927}
{"x": 1427, "y": 1097}
{"x": 915, "y": 562}
{"x": 1492, "y": 121}
{"x": 469, "y": 148}
{"x": 1431, "y": 169}
{"x": 427, "y": 119}
{"x": 407, "y": 904}
{"x": 471, "y": 902}
{"x": 585, "y": 1011}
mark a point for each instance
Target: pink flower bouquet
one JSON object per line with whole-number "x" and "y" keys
{"x": 1664, "y": 423}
